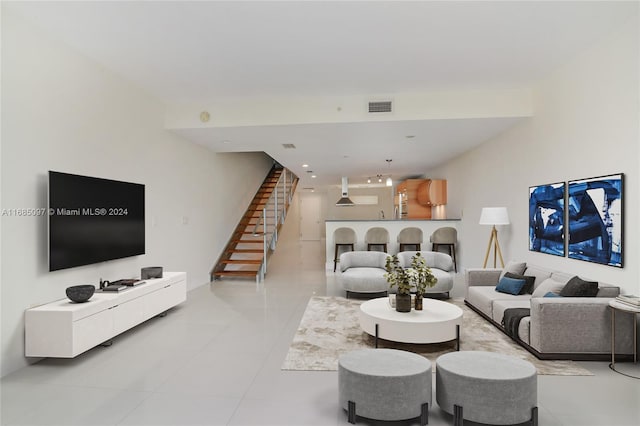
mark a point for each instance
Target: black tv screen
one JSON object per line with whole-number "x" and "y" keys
{"x": 93, "y": 220}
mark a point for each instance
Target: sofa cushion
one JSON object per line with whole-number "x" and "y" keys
{"x": 561, "y": 277}
{"x": 482, "y": 298}
{"x": 432, "y": 259}
{"x": 527, "y": 288}
{"x": 514, "y": 268}
{"x": 541, "y": 274}
{"x": 357, "y": 259}
{"x": 577, "y": 287}
{"x": 364, "y": 280}
{"x": 510, "y": 285}
{"x": 548, "y": 285}
{"x": 499, "y": 306}
{"x": 524, "y": 329}
{"x": 608, "y": 290}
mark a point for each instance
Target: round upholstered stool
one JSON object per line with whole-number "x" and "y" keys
{"x": 487, "y": 387}
{"x": 384, "y": 384}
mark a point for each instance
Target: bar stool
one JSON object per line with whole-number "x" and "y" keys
{"x": 410, "y": 237}
{"x": 447, "y": 237}
{"x": 343, "y": 237}
{"x": 377, "y": 236}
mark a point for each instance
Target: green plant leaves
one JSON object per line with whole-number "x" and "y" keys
{"x": 418, "y": 276}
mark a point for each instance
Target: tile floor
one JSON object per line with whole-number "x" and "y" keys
{"x": 216, "y": 360}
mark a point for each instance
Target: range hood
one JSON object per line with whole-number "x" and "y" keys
{"x": 344, "y": 201}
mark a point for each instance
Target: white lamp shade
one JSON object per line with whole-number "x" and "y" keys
{"x": 494, "y": 216}
{"x": 389, "y": 182}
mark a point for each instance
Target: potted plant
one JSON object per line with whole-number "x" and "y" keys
{"x": 418, "y": 276}
{"x": 397, "y": 276}
{"x": 421, "y": 277}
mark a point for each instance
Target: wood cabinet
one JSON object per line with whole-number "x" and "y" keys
{"x": 432, "y": 192}
{"x": 407, "y": 200}
{"x": 415, "y": 197}
{"x": 64, "y": 329}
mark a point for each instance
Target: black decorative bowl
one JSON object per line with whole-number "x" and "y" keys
{"x": 80, "y": 293}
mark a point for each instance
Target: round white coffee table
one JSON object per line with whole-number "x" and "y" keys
{"x": 437, "y": 322}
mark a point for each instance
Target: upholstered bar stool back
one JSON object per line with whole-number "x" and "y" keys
{"x": 448, "y": 237}
{"x": 344, "y": 238}
{"x": 377, "y": 236}
{"x": 411, "y": 237}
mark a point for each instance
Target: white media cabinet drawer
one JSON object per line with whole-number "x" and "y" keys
{"x": 64, "y": 329}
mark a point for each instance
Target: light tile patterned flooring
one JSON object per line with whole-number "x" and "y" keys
{"x": 216, "y": 360}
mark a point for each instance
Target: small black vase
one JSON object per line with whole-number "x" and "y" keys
{"x": 403, "y": 302}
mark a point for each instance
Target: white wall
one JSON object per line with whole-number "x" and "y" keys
{"x": 360, "y": 211}
{"x": 60, "y": 111}
{"x": 585, "y": 125}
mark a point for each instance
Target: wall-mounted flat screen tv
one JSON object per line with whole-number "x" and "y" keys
{"x": 92, "y": 220}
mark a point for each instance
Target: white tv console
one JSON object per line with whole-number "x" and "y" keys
{"x": 64, "y": 329}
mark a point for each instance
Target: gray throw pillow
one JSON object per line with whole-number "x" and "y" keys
{"x": 548, "y": 285}
{"x": 527, "y": 288}
{"x": 514, "y": 268}
{"x": 577, "y": 287}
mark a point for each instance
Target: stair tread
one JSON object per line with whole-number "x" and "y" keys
{"x": 236, "y": 273}
{"x": 245, "y": 251}
{"x": 242, "y": 261}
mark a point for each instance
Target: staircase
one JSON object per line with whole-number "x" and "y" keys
{"x": 256, "y": 235}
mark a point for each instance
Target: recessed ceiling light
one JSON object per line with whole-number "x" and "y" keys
{"x": 313, "y": 176}
{"x": 226, "y": 142}
{"x": 305, "y": 165}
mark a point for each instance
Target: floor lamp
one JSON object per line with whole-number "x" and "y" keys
{"x": 494, "y": 216}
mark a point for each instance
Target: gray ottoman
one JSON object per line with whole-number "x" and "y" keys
{"x": 487, "y": 387}
{"x": 385, "y": 384}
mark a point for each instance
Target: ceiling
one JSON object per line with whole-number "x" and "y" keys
{"x": 362, "y": 149}
{"x": 205, "y": 52}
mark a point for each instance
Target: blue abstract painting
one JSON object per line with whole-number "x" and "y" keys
{"x": 595, "y": 219}
{"x": 546, "y": 218}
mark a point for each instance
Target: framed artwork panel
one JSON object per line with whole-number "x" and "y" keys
{"x": 546, "y": 218}
{"x": 595, "y": 211}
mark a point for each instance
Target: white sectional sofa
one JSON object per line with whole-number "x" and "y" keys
{"x": 558, "y": 327}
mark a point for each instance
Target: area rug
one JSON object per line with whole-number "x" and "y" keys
{"x": 330, "y": 328}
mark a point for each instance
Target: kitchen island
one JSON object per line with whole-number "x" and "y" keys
{"x": 394, "y": 226}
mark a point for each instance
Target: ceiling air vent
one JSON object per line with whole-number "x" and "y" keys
{"x": 288, "y": 146}
{"x": 380, "y": 106}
